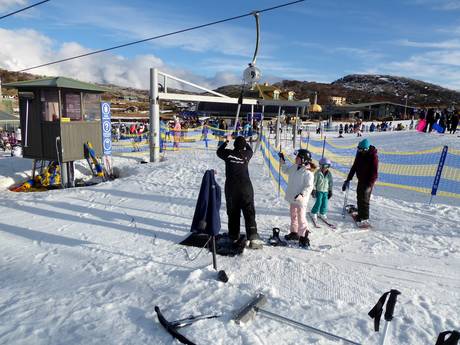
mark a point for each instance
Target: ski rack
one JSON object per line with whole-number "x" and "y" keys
{"x": 172, "y": 326}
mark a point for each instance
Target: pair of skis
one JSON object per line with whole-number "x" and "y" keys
{"x": 325, "y": 221}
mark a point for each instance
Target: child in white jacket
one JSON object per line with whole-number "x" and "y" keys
{"x": 300, "y": 186}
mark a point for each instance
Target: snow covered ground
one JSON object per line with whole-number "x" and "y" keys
{"x": 88, "y": 265}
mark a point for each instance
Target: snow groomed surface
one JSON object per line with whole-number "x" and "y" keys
{"x": 88, "y": 265}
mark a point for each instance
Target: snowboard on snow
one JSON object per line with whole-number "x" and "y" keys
{"x": 353, "y": 212}
{"x": 226, "y": 247}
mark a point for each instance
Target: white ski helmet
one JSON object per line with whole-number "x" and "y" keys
{"x": 324, "y": 161}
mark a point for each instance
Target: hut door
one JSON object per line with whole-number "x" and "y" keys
{"x": 30, "y": 125}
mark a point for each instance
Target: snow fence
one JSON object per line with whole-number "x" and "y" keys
{"x": 415, "y": 171}
{"x": 170, "y": 139}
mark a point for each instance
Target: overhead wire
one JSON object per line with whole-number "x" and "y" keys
{"x": 23, "y": 9}
{"x": 161, "y": 36}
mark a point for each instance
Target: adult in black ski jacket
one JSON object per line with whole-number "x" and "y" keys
{"x": 239, "y": 193}
{"x": 365, "y": 166}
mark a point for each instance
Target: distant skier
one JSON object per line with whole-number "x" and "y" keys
{"x": 223, "y": 126}
{"x": 365, "y": 166}
{"x": 239, "y": 193}
{"x": 454, "y": 123}
{"x": 322, "y": 189}
{"x": 300, "y": 185}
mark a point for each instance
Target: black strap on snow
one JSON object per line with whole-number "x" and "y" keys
{"x": 377, "y": 310}
{"x": 171, "y": 329}
{"x": 452, "y": 340}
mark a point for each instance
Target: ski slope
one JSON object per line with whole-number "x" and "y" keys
{"x": 88, "y": 265}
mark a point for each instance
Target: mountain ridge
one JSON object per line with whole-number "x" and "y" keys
{"x": 356, "y": 88}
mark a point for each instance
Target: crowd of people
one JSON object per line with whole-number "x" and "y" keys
{"x": 446, "y": 119}
{"x": 9, "y": 139}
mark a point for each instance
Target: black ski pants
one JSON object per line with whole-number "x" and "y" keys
{"x": 363, "y": 192}
{"x": 240, "y": 198}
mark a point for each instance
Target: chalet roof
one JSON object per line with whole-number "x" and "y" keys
{"x": 266, "y": 92}
{"x": 370, "y": 104}
{"x": 58, "y": 82}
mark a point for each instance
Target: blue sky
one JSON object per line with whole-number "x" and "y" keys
{"x": 314, "y": 40}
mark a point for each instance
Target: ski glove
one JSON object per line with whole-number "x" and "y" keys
{"x": 329, "y": 194}
{"x": 345, "y": 185}
{"x": 313, "y": 193}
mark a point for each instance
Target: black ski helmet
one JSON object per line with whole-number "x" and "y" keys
{"x": 305, "y": 156}
{"x": 240, "y": 143}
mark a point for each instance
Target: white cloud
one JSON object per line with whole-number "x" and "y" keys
{"x": 129, "y": 23}
{"x": 449, "y": 44}
{"x": 8, "y": 4}
{"x": 359, "y": 52}
{"x": 26, "y": 48}
{"x": 443, "y": 5}
{"x": 449, "y": 5}
{"x": 439, "y": 67}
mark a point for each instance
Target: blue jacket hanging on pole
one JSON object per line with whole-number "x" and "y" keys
{"x": 206, "y": 218}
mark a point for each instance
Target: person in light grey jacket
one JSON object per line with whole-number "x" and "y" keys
{"x": 300, "y": 186}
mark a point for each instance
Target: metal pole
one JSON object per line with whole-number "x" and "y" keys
{"x": 279, "y": 174}
{"x": 294, "y": 139}
{"x": 324, "y": 145}
{"x": 384, "y": 334}
{"x": 405, "y": 108}
{"x": 303, "y": 326}
{"x": 308, "y": 139}
{"x": 214, "y": 259}
{"x": 278, "y": 124}
{"x": 345, "y": 200}
{"x": 252, "y": 115}
{"x": 154, "y": 118}
{"x": 27, "y": 123}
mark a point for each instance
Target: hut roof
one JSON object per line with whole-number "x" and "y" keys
{"x": 60, "y": 82}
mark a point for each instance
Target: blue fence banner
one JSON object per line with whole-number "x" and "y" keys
{"x": 106, "y": 129}
{"x": 437, "y": 177}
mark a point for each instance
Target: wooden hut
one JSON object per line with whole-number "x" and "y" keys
{"x": 57, "y": 116}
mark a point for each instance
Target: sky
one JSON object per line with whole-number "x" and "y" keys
{"x": 318, "y": 41}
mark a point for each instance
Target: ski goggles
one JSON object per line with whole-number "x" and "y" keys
{"x": 325, "y": 166}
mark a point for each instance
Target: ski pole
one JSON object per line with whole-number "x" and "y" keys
{"x": 279, "y": 173}
{"x": 345, "y": 200}
{"x": 389, "y": 314}
{"x": 376, "y": 312}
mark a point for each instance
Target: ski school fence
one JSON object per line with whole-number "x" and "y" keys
{"x": 171, "y": 139}
{"x": 435, "y": 171}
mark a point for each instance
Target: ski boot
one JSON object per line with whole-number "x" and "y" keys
{"x": 293, "y": 236}
{"x": 304, "y": 242}
{"x": 275, "y": 239}
{"x": 256, "y": 242}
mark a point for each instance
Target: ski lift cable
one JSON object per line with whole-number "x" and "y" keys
{"x": 23, "y": 9}
{"x": 166, "y": 35}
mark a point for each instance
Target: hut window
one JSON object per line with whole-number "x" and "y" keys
{"x": 91, "y": 107}
{"x": 72, "y": 104}
{"x": 50, "y": 105}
